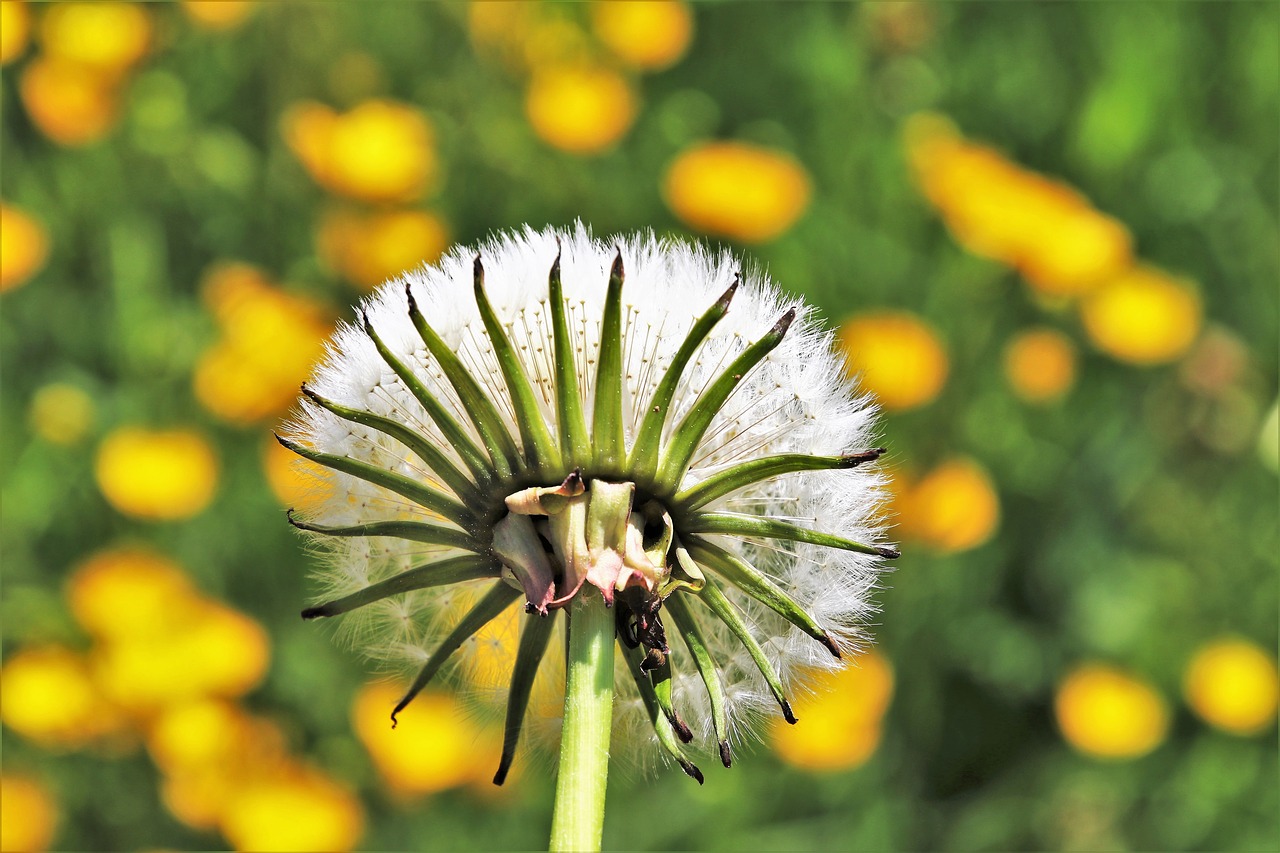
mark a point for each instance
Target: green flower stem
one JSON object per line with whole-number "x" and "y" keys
{"x": 577, "y": 823}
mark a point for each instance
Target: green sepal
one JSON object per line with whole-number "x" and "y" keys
{"x": 661, "y": 725}
{"x": 533, "y": 645}
{"x": 483, "y": 413}
{"x": 435, "y": 501}
{"x": 692, "y": 636}
{"x": 572, "y": 424}
{"x": 753, "y": 471}
{"x": 724, "y": 609}
{"x": 772, "y": 528}
{"x": 644, "y": 452}
{"x": 660, "y": 677}
{"x": 756, "y": 584}
{"x": 496, "y": 600}
{"x": 472, "y": 456}
{"x": 440, "y": 573}
{"x": 606, "y": 414}
{"x": 414, "y": 531}
{"x": 541, "y": 452}
{"x": 685, "y": 574}
{"x": 426, "y": 451}
{"x": 684, "y": 441}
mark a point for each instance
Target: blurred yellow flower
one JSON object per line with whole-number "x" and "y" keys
{"x": 368, "y": 249}
{"x": 381, "y": 151}
{"x": 1108, "y": 714}
{"x": 296, "y": 482}
{"x": 433, "y": 747}
{"x": 15, "y": 31}
{"x": 737, "y": 190}
{"x": 1071, "y": 246}
{"x": 1232, "y": 684}
{"x": 218, "y": 14}
{"x": 202, "y": 733}
{"x": 296, "y": 809}
{"x": 157, "y": 474}
{"x": 72, "y": 104}
{"x": 996, "y": 208}
{"x": 197, "y": 797}
{"x": 109, "y": 37}
{"x": 47, "y": 694}
{"x": 61, "y": 413}
{"x": 28, "y": 815}
{"x": 840, "y": 722}
{"x": 898, "y": 356}
{"x": 647, "y": 34}
{"x": 1040, "y": 364}
{"x": 216, "y": 652}
{"x": 130, "y": 592}
{"x": 582, "y": 109}
{"x": 952, "y": 508}
{"x": 270, "y": 340}
{"x": 1143, "y": 316}
{"x": 200, "y": 778}
{"x": 24, "y": 246}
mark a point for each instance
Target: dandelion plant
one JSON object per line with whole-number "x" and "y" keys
{"x": 634, "y": 434}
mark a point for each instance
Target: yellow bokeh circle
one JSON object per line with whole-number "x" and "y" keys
{"x": 15, "y": 31}
{"x": 130, "y": 592}
{"x": 952, "y": 508}
{"x": 70, "y": 103}
{"x": 108, "y": 37}
{"x": 582, "y": 109}
{"x": 296, "y": 808}
{"x": 270, "y": 340}
{"x": 28, "y": 814}
{"x": 200, "y": 734}
{"x": 647, "y": 34}
{"x": 1143, "y": 317}
{"x": 24, "y": 246}
{"x": 218, "y": 15}
{"x": 1040, "y": 365}
{"x": 49, "y": 695}
{"x": 157, "y": 474}
{"x": 1107, "y": 713}
{"x": 433, "y": 747}
{"x": 840, "y": 721}
{"x": 368, "y": 249}
{"x": 380, "y": 151}
{"x": 897, "y": 357}
{"x": 217, "y": 652}
{"x": 737, "y": 190}
{"x": 1232, "y": 684}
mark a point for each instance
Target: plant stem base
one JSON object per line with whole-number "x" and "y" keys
{"x": 577, "y": 823}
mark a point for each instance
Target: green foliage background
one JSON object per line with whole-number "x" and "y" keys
{"x": 1124, "y": 536}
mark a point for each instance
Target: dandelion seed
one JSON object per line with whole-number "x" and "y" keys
{"x": 694, "y": 458}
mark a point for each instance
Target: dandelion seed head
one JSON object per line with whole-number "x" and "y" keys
{"x": 796, "y": 400}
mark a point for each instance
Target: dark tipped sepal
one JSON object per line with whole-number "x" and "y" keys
{"x": 691, "y": 769}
